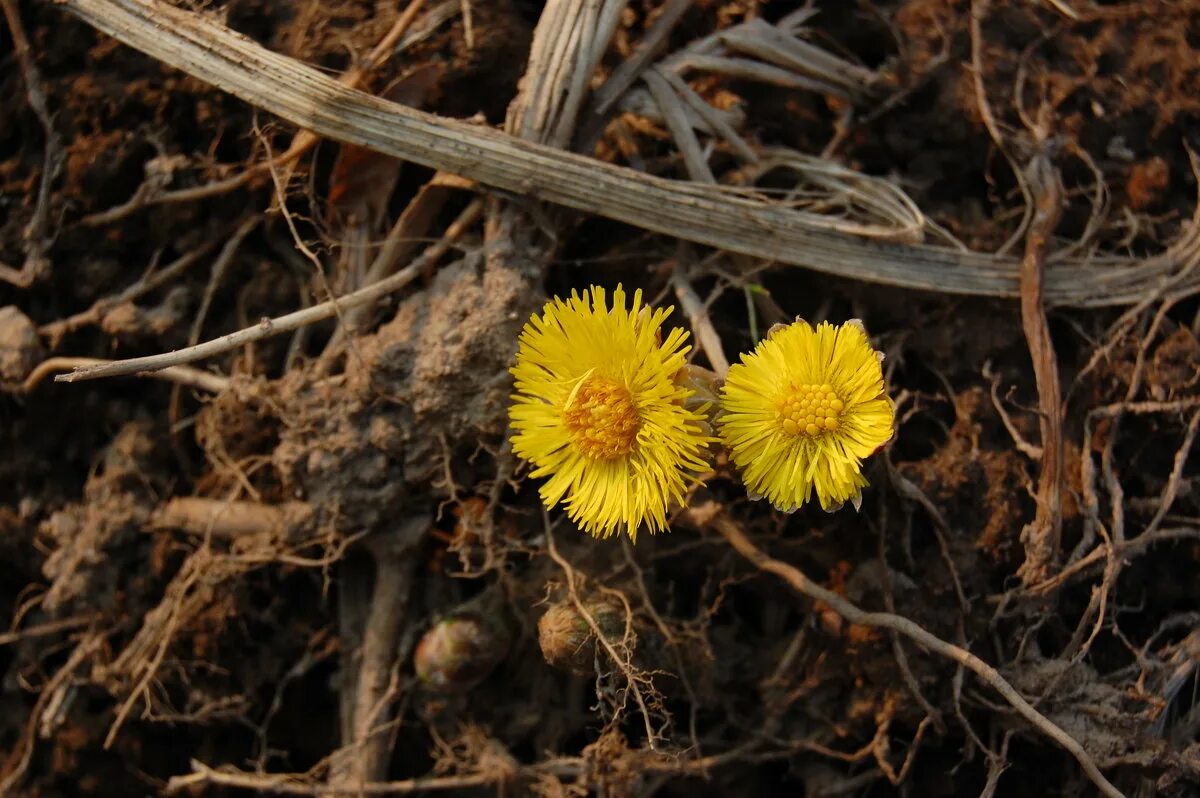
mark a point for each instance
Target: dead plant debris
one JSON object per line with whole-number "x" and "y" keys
{"x": 305, "y": 561}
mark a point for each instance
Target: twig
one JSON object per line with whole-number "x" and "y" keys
{"x": 150, "y": 192}
{"x": 978, "y": 12}
{"x": 706, "y": 215}
{"x": 677, "y": 651}
{"x": 1129, "y": 548}
{"x": 180, "y": 375}
{"x": 1171, "y": 491}
{"x": 1041, "y": 536}
{"x": 717, "y": 121}
{"x": 281, "y": 324}
{"x": 889, "y": 603}
{"x": 769, "y": 44}
{"x": 730, "y": 530}
{"x": 401, "y": 241}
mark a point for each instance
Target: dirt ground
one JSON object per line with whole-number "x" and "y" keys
{"x": 315, "y": 555}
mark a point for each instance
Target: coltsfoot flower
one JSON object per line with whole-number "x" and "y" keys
{"x": 802, "y": 411}
{"x": 598, "y": 411}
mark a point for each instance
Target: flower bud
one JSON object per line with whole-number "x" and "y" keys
{"x": 460, "y": 650}
{"x": 567, "y": 640}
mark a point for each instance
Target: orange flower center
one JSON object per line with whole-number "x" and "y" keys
{"x": 602, "y": 418}
{"x": 810, "y": 410}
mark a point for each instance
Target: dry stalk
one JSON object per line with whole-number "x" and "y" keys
{"x": 697, "y": 312}
{"x": 207, "y": 50}
{"x": 730, "y": 530}
{"x": 773, "y": 46}
{"x": 673, "y": 112}
{"x": 624, "y": 75}
{"x": 718, "y": 121}
{"x": 402, "y": 240}
{"x": 180, "y": 375}
{"x": 1041, "y": 537}
{"x": 1121, "y": 548}
{"x": 233, "y": 519}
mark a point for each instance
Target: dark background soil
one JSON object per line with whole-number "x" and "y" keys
{"x": 227, "y": 651}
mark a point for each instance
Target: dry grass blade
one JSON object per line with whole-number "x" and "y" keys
{"x": 771, "y": 45}
{"x": 205, "y": 49}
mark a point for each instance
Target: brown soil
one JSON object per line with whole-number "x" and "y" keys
{"x": 189, "y": 576}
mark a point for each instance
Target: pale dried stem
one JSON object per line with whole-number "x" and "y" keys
{"x": 1062, "y": 8}
{"x": 228, "y": 519}
{"x": 716, "y": 120}
{"x": 770, "y": 45}
{"x": 1026, "y": 448}
{"x": 180, "y": 375}
{"x": 1041, "y": 537}
{"x": 48, "y": 628}
{"x": 706, "y": 215}
{"x": 979, "y": 12}
{"x": 681, "y": 131}
{"x": 697, "y": 313}
{"x": 401, "y": 242}
{"x": 217, "y": 274}
{"x": 651, "y": 43}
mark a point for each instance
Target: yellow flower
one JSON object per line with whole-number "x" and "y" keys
{"x": 598, "y": 411}
{"x": 802, "y": 411}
